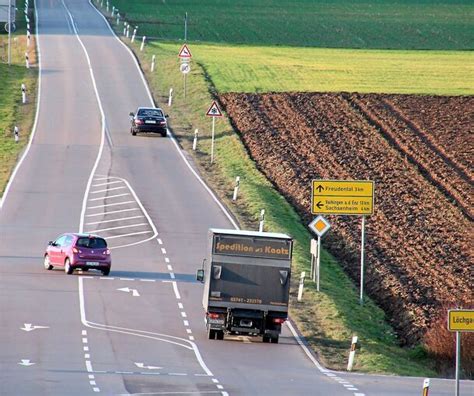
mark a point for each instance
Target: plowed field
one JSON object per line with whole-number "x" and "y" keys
{"x": 419, "y": 150}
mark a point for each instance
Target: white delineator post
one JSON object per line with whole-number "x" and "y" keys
{"x": 28, "y": 37}
{"x": 170, "y": 97}
{"x": 113, "y": 11}
{"x": 352, "y": 353}
{"x": 128, "y": 31}
{"x": 236, "y": 188}
{"x": 124, "y": 28}
{"x": 118, "y": 18}
{"x": 134, "y": 34}
{"x": 143, "y": 43}
{"x": 27, "y": 60}
{"x": 262, "y": 220}
{"x": 195, "y": 141}
{"x": 426, "y": 387}
{"x": 300, "y": 289}
{"x": 16, "y": 133}
{"x": 23, "y": 93}
{"x": 107, "y": 6}
{"x": 153, "y": 63}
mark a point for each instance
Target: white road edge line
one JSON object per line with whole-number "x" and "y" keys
{"x": 118, "y": 228}
{"x": 112, "y": 204}
{"x": 109, "y": 196}
{"x": 111, "y": 221}
{"x": 115, "y": 211}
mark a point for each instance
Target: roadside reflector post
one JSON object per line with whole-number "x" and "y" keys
{"x": 262, "y": 220}
{"x": 124, "y": 28}
{"x": 153, "y": 63}
{"x": 118, "y": 18}
{"x": 107, "y": 6}
{"x": 195, "y": 139}
{"x": 23, "y": 93}
{"x": 28, "y": 37}
{"x": 426, "y": 387}
{"x": 101, "y": 3}
{"x": 134, "y": 33}
{"x": 113, "y": 11}
{"x": 314, "y": 253}
{"x": 170, "y": 97}
{"x": 236, "y": 188}
{"x": 362, "y": 243}
{"x": 143, "y": 43}
{"x": 16, "y": 134}
{"x": 352, "y": 353}
{"x": 27, "y": 60}
{"x": 300, "y": 289}
{"x": 128, "y": 31}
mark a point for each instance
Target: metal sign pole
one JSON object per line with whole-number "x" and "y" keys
{"x": 361, "y": 299}
{"x": 184, "y": 85}
{"x": 212, "y": 139}
{"x": 318, "y": 260}
{"x": 9, "y": 32}
{"x": 458, "y": 360}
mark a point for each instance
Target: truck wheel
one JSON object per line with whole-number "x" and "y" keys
{"x": 211, "y": 334}
{"x": 274, "y": 340}
{"x": 219, "y": 335}
{"x": 265, "y": 339}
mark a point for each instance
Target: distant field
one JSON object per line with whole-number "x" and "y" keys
{"x": 395, "y": 24}
{"x": 277, "y": 69}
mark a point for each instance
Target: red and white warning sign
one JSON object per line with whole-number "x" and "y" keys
{"x": 214, "y": 110}
{"x": 184, "y": 52}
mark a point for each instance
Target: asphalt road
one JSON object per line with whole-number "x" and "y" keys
{"x": 140, "y": 330}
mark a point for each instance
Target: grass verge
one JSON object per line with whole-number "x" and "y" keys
{"x": 327, "y": 319}
{"x": 12, "y": 111}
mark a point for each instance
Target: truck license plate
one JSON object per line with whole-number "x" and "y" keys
{"x": 216, "y": 321}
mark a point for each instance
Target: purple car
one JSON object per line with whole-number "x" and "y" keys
{"x": 78, "y": 251}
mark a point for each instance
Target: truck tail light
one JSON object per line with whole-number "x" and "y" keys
{"x": 213, "y": 315}
{"x": 279, "y": 320}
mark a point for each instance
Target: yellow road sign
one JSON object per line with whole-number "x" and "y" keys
{"x": 461, "y": 320}
{"x": 345, "y": 197}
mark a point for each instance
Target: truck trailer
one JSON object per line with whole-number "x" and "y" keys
{"x": 246, "y": 278}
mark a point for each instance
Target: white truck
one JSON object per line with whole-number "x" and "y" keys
{"x": 246, "y": 278}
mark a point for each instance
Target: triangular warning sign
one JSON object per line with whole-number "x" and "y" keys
{"x": 184, "y": 52}
{"x": 214, "y": 110}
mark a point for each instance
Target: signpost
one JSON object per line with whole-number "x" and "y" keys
{"x": 319, "y": 226}
{"x": 345, "y": 197}
{"x": 460, "y": 320}
{"x": 213, "y": 112}
{"x": 185, "y": 56}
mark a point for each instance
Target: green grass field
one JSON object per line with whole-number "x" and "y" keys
{"x": 395, "y": 24}
{"x": 270, "y": 69}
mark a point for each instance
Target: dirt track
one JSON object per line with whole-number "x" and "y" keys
{"x": 418, "y": 150}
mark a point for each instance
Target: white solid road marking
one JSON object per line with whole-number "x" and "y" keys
{"x": 105, "y": 184}
{"x": 215, "y": 380}
{"x": 176, "y": 291}
{"x": 128, "y": 290}
{"x": 142, "y": 365}
{"x": 112, "y": 204}
{"x": 108, "y": 189}
{"x": 126, "y": 235}
{"x": 118, "y": 228}
{"x": 110, "y": 196}
{"x": 115, "y": 211}
{"x": 120, "y": 219}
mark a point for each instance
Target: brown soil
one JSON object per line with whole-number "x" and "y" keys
{"x": 419, "y": 150}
